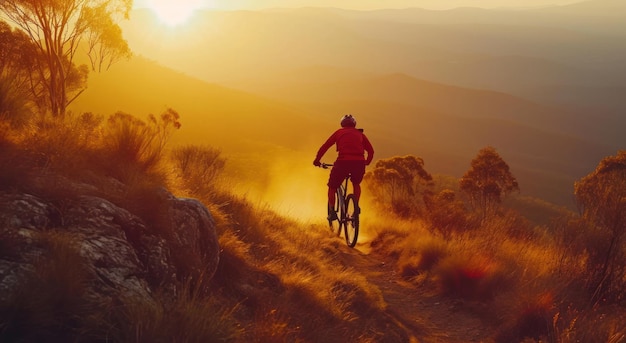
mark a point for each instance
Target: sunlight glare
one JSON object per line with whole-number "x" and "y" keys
{"x": 175, "y": 12}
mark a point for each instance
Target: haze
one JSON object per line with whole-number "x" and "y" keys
{"x": 370, "y": 4}
{"x": 270, "y": 85}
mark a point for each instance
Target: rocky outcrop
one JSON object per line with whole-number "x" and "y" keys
{"x": 123, "y": 255}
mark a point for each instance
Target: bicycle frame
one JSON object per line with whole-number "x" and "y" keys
{"x": 346, "y": 208}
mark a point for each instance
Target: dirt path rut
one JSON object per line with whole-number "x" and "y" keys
{"x": 428, "y": 316}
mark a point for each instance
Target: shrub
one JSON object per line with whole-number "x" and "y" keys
{"x": 533, "y": 320}
{"x": 135, "y": 147}
{"x": 187, "y": 317}
{"x": 15, "y": 108}
{"x": 447, "y": 214}
{"x": 64, "y": 144}
{"x": 198, "y": 168}
{"x": 399, "y": 185}
{"x": 421, "y": 256}
{"x": 470, "y": 277}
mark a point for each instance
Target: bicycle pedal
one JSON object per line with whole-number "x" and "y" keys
{"x": 332, "y": 215}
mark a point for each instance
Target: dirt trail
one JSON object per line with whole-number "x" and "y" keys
{"x": 428, "y": 316}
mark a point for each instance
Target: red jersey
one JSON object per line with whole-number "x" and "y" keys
{"x": 351, "y": 145}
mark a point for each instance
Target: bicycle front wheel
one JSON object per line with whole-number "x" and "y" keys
{"x": 351, "y": 224}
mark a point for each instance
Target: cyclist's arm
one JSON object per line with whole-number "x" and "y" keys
{"x": 329, "y": 142}
{"x": 369, "y": 149}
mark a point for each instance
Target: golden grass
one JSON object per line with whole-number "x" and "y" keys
{"x": 279, "y": 278}
{"x": 533, "y": 287}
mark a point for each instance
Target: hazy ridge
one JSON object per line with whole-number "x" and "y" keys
{"x": 437, "y": 84}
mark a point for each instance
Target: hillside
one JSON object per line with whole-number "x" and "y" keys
{"x": 544, "y": 85}
{"x": 518, "y": 52}
{"x": 288, "y": 120}
{"x": 211, "y": 114}
{"x": 175, "y": 200}
{"x": 96, "y": 248}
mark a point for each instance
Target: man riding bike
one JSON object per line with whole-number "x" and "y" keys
{"x": 351, "y": 146}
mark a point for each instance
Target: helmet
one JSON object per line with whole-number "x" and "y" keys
{"x": 348, "y": 120}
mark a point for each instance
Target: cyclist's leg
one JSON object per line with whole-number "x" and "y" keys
{"x": 357, "y": 173}
{"x": 357, "y": 190}
{"x": 331, "y": 196}
{"x": 337, "y": 175}
{"x": 332, "y": 215}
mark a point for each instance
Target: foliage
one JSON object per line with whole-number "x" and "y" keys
{"x": 397, "y": 183}
{"x": 421, "y": 256}
{"x": 105, "y": 40}
{"x": 56, "y": 28}
{"x": 16, "y": 62}
{"x": 135, "y": 146}
{"x": 198, "y": 168}
{"x": 188, "y": 317}
{"x": 469, "y": 277}
{"x": 447, "y": 214}
{"x": 488, "y": 181}
{"x": 601, "y": 196}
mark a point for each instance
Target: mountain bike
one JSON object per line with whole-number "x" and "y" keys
{"x": 347, "y": 209}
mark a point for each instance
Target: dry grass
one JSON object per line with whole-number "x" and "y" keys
{"x": 279, "y": 279}
{"x": 533, "y": 287}
{"x": 52, "y": 301}
{"x": 420, "y": 255}
{"x": 198, "y": 169}
{"x": 190, "y": 317}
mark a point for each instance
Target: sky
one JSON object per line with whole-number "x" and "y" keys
{"x": 353, "y": 4}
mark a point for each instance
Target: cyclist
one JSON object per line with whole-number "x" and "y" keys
{"x": 351, "y": 146}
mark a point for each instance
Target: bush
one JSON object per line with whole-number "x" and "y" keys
{"x": 14, "y": 104}
{"x": 447, "y": 214}
{"x": 189, "y": 317}
{"x": 421, "y": 256}
{"x": 469, "y": 277}
{"x": 135, "y": 147}
{"x": 198, "y": 168}
{"x": 533, "y": 320}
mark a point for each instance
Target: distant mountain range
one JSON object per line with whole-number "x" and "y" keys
{"x": 566, "y": 55}
{"x": 543, "y": 90}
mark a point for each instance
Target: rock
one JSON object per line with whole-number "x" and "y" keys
{"x": 123, "y": 256}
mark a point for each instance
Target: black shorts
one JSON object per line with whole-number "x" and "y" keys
{"x": 341, "y": 169}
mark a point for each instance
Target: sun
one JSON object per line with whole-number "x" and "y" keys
{"x": 175, "y": 12}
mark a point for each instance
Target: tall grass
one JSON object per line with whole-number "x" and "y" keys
{"x": 189, "y": 317}
{"x": 198, "y": 168}
{"x": 278, "y": 279}
{"x": 135, "y": 148}
{"x": 121, "y": 160}
{"x": 531, "y": 279}
{"x": 52, "y": 301}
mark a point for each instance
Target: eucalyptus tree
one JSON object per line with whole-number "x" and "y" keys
{"x": 60, "y": 29}
{"x": 601, "y": 196}
{"x": 16, "y": 101}
{"x": 488, "y": 181}
{"x": 398, "y": 181}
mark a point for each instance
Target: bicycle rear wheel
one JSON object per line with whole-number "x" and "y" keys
{"x": 351, "y": 223}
